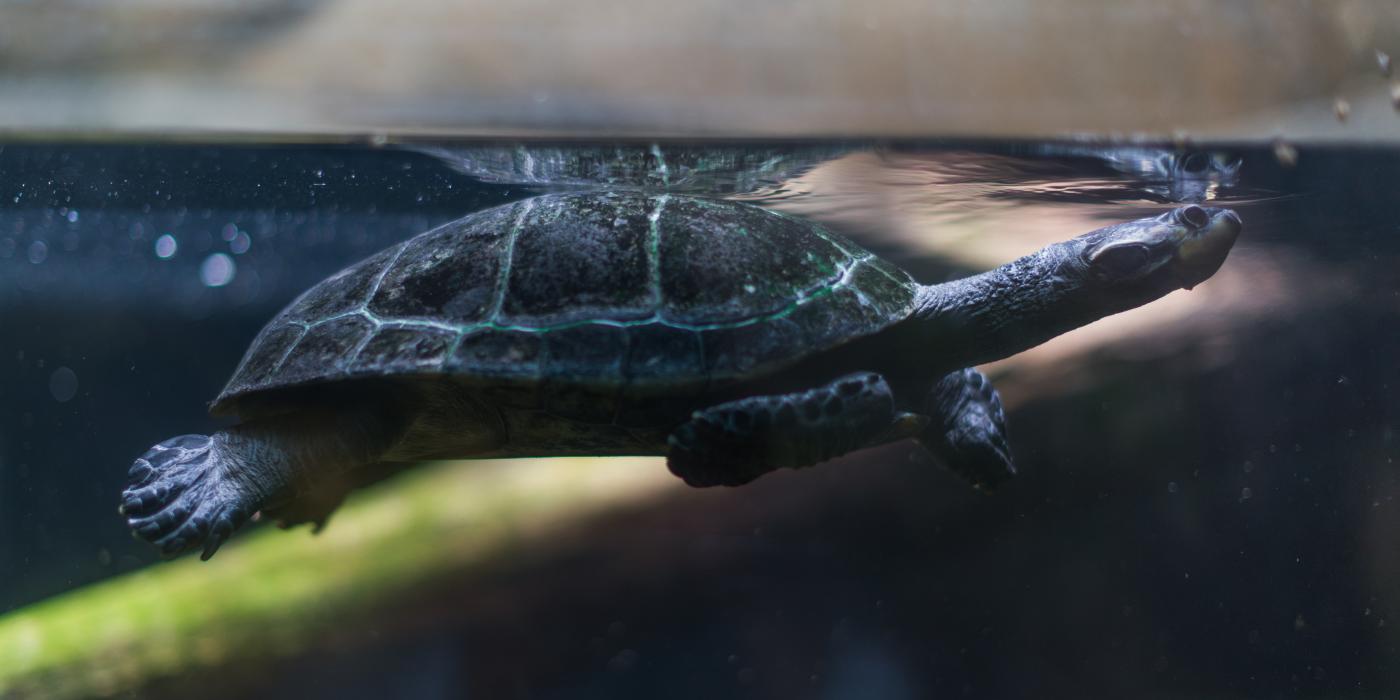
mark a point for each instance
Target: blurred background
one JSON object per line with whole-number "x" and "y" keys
{"x": 1206, "y": 499}
{"x": 1244, "y": 69}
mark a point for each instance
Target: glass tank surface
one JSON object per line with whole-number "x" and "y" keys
{"x": 1203, "y": 503}
{"x": 623, "y": 349}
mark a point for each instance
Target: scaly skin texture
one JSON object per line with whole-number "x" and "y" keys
{"x": 766, "y": 385}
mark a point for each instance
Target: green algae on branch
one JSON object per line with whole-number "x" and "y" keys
{"x": 271, "y": 595}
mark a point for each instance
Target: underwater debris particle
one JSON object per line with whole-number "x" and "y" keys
{"x": 1341, "y": 109}
{"x": 63, "y": 384}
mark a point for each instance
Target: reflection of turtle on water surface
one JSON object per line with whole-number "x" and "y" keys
{"x": 730, "y": 339}
{"x": 1176, "y": 175}
{"x": 698, "y": 168}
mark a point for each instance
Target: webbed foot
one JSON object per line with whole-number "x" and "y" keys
{"x": 968, "y": 432}
{"x": 180, "y": 496}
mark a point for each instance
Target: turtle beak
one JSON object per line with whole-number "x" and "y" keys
{"x": 1204, "y": 248}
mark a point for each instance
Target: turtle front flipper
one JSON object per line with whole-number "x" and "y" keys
{"x": 183, "y": 494}
{"x": 736, "y": 442}
{"x": 968, "y": 428}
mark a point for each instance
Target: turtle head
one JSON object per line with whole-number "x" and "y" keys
{"x": 1154, "y": 256}
{"x": 1075, "y": 282}
{"x": 1122, "y": 267}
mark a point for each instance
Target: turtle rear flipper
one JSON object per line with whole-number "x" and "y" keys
{"x": 181, "y": 496}
{"x": 195, "y": 490}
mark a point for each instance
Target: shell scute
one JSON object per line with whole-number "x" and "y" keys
{"x": 740, "y": 348}
{"x": 448, "y": 274}
{"x": 591, "y": 353}
{"x": 404, "y": 350}
{"x": 325, "y": 349}
{"x": 725, "y": 264}
{"x": 657, "y": 351}
{"x": 495, "y": 353}
{"x": 577, "y": 259}
{"x": 343, "y": 292}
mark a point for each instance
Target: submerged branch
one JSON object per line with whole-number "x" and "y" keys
{"x": 272, "y": 593}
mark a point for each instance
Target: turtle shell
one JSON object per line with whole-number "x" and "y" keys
{"x": 600, "y": 289}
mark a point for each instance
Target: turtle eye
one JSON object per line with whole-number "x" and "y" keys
{"x": 1193, "y": 216}
{"x": 1120, "y": 261}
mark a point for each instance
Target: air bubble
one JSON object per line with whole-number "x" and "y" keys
{"x": 240, "y": 243}
{"x": 166, "y": 247}
{"x": 38, "y": 252}
{"x": 217, "y": 270}
{"x": 63, "y": 384}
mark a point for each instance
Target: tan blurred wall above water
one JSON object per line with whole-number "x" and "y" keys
{"x": 1213, "y": 69}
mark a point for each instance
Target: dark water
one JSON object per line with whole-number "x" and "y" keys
{"x": 1206, "y": 505}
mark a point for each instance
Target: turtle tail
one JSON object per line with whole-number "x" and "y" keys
{"x": 179, "y": 496}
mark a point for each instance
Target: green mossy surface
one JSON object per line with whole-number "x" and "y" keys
{"x": 272, "y": 593}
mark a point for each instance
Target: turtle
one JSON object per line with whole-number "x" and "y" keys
{"x": 732, "y": 339}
